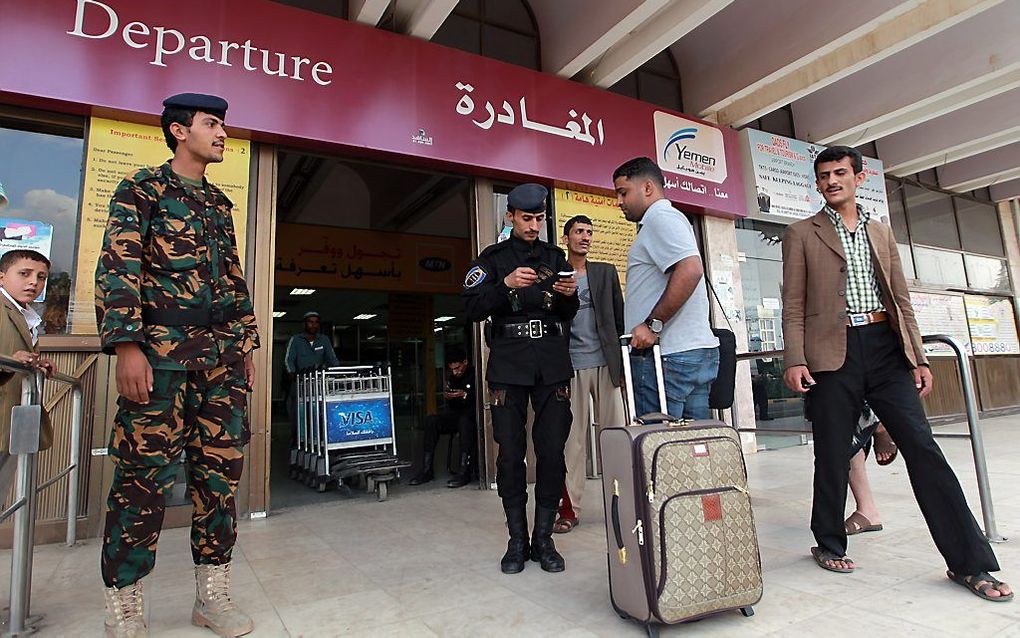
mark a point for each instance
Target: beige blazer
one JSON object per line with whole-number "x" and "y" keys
{"x": 814, "y": 294}
{"x": 14, "y": 336}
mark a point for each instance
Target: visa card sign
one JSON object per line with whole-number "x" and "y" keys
{"x": 358, "y": 420}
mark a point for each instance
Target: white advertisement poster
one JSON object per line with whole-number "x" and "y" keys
{"x": 781, "y": 184}
{"x": 24, "y": 234}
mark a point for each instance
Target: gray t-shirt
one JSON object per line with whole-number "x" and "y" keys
{"x": 585, "y": 347}
{"x": 664, "y": 238}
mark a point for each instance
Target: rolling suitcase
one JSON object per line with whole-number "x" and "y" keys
{"x": 682, "y": 543}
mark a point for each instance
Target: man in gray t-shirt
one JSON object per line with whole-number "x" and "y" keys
{"x": 666, "y": 297}
{"x": 595, "y": 355}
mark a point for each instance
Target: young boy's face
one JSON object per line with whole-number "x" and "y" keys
{"x": 24, "y": 280}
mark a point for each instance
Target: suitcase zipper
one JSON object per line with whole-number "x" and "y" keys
{"x": 639, "y": 529}
{"x": 655, "y": 459}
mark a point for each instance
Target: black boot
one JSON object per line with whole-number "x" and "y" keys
{"x": 426, "y": 470}
{"x": 464, "y": 477}
{"x": 517, "y": 548}
{"x": 543, "y": 550}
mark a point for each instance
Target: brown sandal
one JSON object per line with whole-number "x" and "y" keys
{"x": 564, "y": 525}
{"x": 979, "y": 584}
{"x": 857, "y": 523}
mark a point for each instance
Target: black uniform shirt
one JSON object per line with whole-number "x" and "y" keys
{"x": 515, "y": 360}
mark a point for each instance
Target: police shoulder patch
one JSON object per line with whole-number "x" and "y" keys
{"x": 474, "y": 277}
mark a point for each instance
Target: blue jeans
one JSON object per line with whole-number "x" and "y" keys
{"x": 689, "y": 376}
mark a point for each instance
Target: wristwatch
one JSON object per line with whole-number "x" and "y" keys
{"x": 655, "y": 325}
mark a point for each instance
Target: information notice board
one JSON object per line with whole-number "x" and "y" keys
{"x": 992, "y": 325}
{"x": 115, "y": 150}
{"x": 613, "y": 234}
{"x": 941, "y": 314}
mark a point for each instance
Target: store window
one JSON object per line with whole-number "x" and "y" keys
{"x": 760, "y": 255}
{"x": 979, "y": 227}
{"x": 41, "y": 173}
{"x": 657, "y": 81}
{"x": 898, "y": 221}
{"x": 931, "y": 218}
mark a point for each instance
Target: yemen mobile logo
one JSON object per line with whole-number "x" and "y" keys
{"x": 683, "y": 134}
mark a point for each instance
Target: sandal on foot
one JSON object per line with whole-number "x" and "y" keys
{"x": 858, "y": 523}
{"x": 884, "y": 445}
{"x": 980, "y": 584}
{"x": 823, "y": 556}
{"x": 564, "y": 525}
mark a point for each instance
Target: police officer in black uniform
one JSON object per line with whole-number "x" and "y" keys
{"x": 517, "y": 283}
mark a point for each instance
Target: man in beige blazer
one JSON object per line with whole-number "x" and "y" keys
{"x": 851, "y": 336}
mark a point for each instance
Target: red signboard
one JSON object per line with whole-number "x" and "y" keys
{"x": 300, "y": 75}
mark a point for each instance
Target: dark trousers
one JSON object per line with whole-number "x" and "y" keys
{"x": 549, "y": 435}
{"x": 876, "y": 370}
{"x": 451, "y": 422}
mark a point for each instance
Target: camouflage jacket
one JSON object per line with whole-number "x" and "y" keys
{"x": 170, "y": 246}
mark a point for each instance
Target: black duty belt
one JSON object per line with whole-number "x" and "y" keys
{"x": 188, "y": 317}
{"x": 534, "y": 329}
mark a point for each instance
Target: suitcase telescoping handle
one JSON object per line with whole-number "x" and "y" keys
{"x": 628, "y": 376}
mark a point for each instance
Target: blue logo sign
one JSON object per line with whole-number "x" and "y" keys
{"x": 358, "y": 420}
{"x": 683, "y": 134}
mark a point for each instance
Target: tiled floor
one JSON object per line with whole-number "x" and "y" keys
{"x": 425, "y": 563}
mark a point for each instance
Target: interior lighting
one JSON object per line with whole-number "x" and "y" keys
{"x": 278, "y": 313}
{"x": 303, "y": 291}
{"x": 364, "y": 317}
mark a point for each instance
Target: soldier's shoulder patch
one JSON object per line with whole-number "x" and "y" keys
{"x": 475, "y": 276}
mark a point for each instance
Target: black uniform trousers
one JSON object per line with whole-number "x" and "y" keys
{"x": 551, "y": 403}
{"x": 876, "y": 370}
{"x": 451, "y": 422}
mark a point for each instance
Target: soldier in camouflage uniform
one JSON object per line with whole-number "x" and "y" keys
{"x": 173, "y": 305}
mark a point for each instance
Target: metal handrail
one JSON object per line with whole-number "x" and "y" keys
{"x": 26, "y": 432}
{"x": 974, "y": 430}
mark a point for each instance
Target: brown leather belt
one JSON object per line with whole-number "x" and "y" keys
{"x": 859, "y": 319}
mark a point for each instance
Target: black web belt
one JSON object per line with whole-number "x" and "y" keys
{"x": 188, "y": 317}
{"x": 534, "y": 329}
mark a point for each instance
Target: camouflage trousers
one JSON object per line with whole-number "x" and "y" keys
{"x": 202, "y": 414}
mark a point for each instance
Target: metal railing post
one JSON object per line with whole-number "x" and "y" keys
{"x": 976, "y": 441}
{"x": 72, "y": 476}
{"x": 24, "y": 528}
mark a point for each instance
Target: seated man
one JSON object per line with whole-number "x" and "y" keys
{"x": 458, "y": 416}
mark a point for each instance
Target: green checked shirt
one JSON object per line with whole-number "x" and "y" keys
{"x": 862, "y": 291}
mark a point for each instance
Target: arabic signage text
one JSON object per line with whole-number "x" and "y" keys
{"x": 293, "y": 75}
{"x": 329, "y": 257}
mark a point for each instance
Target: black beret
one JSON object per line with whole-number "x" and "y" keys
{"x": 529, "y": 198}
{"x": 197, "y": 102}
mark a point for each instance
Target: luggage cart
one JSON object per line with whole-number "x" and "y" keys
{"x": 345, "y": 429}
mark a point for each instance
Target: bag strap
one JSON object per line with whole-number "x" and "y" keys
{"x": 722, "y": 308}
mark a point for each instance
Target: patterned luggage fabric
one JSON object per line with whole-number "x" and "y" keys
{"x": 678, "y": 519}
{"x": 703, "y": 545}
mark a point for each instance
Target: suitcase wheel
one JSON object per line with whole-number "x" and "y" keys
{"x": 747, "y": 611}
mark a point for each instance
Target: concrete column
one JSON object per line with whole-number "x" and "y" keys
{"x": 723, "y": 270}
{"x": 1009, "y": 221}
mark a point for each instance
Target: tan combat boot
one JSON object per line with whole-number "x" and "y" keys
{"x": 125, "y": 612}
{"x": 213, "y": 606}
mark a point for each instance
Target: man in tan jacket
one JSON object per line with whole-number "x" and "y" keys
{"x": 851, "y": 336}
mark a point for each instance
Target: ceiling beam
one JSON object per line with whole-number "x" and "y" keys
{"x": 1006, "y": 190}
{"x": 999, "y": 165}
{"x": 673, "y": 22}
{"x": 582, "y": 34}
{"x": 421, "y": 18}
{"x": 368, "y": 12}
{"x": 969, "y": 131}
{"x": 976, "y": 59}
{"x": 888, "y": 32}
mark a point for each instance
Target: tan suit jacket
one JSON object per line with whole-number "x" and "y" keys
{"x": 814, "y": 294}
{"x": 14, "y": 336}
